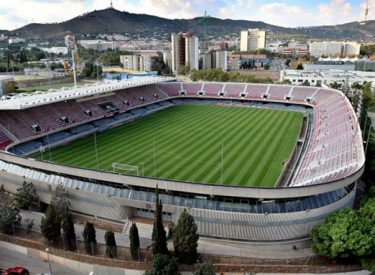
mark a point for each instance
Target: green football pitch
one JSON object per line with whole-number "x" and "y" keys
{"x": 198, "y": 143}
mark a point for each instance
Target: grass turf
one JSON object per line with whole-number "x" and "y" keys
{"x": 187, "y": 143}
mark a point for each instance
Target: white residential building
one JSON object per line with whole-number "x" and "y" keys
{"x": 351, "y": 48}
{"x": 334, "y": 48}
{"x": 140, "y": 62}
{"x": 326, "y": 77}
{"x": 252, "y": 39}
{"x": 130, "y": 62}
{"x": 216, "y": 60}
{"x": 222, "y": 60}
{"x": 13, "y": 40}
{"x": 184, "y": 51}
{"x": 55, "y": 50}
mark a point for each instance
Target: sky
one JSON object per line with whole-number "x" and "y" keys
{"x": 288, "y": 13}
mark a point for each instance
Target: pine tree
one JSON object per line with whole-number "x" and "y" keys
{"x": 205, "y": 268}
{"x": 26, "y": 196}
{"x": 89, "y": 238}
{"x": 68, "y": 230}
{"x": 51, "y": 224}
{"x": 159, "y": 236}
{"x": 9, "y": 216}
{"x": 163, "y": 265}
{"x": 60, "y": 200}
{"x": 185, "y": 239}
{"x": 134, "y": 242}
{"x": 110, "y": 241}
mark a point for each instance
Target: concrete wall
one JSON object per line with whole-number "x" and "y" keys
{"x": 211, "y": 223}
{"x": 204, "y": 189}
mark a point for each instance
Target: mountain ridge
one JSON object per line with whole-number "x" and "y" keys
{"x": 114, "y": 21}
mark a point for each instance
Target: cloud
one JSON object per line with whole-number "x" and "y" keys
{"x": 237, "y": 9}
{"x": 371, "y": 10}
{"x": 281, "y": 14}
{"x": 20, "y": 12}
{"x": 335, "y": 12}
{"x": 171, "y": 8}
{"x": 16, "y": 13}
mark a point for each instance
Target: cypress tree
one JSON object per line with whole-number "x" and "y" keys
{"x": 68, "y": 230}
{"x": 134, "y": 242}
{"x": 159, "y": 236}
{"x": 185, "y": 239}
{"x": 110, "y": 241}
{"x": 51, "y": 224}
{"x": 89, "y": 237}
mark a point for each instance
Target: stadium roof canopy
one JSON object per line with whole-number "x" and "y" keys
{"x": 29, "y": 100}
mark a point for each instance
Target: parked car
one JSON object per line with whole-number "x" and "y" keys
{"x": 15, "y": 271}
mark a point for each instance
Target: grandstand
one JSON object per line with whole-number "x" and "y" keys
{"x": 319, "y": 177}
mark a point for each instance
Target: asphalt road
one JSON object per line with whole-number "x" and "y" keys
{"x": 9, "y": 258}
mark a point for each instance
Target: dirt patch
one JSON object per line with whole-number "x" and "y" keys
{"x": 78, "y": 219}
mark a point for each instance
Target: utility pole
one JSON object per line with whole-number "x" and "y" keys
{"x": 154, "y": 159}
{"x": 96, "y": 152}
{"x": 222, "y": 162}
{"x": 365, "y": 17}
{"x": 204, "y": 44}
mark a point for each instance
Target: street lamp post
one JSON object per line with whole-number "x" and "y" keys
{"x": 49, "y": 262}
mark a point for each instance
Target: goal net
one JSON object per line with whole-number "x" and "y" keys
{"x": 125, "y": 168}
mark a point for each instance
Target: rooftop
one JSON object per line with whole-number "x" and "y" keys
{"x": 29, "y": 100}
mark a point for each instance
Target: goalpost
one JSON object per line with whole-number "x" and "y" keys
{"x": 125, "y": 168}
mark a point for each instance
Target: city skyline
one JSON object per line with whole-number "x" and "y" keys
{"x": 288, "y": 13}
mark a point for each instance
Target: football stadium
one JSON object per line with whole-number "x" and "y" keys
{"x": 250, "y": 162}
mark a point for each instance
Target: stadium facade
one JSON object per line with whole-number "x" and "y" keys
{"x": 319, "y": 179}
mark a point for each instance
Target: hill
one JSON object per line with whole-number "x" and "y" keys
{"x": 113, "y": 21}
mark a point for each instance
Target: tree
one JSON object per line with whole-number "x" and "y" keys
{"x": 26, "y": 196}
{"x": 205, "y": 268}
{"x": 51, "y": 224}
{"x": 10, "y": 87}
{"x": 299, "y": 66}
{"x": 2, "y": 189}
{"x": 368, "y": 264}
{"x": 160, "y": 67}
{"x": 357, "y": 86}
{"x": 185, "y": 70}
{"x": 159, "y": 236}
{"x": 89, "y": 238}
{"x": 134, "y": 242}
{"x": 220, "y": 75}
{"x": 335, "y": 85}
{"x": 368, "y": 50}
{"x": 87, "y": 70}
{"x": 60, "y": 200}
{"x": 185, "y": 239}
{"x": 68, "y": 230}
{"x": 111, "y": 249}
{"x": 9, "y": 216}
{"x": 306, "y": 83}
{"x": 163, "y": 265}
{"x": 347, "y": 233}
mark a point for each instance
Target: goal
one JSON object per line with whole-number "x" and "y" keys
{"x": 123, "y": 168}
